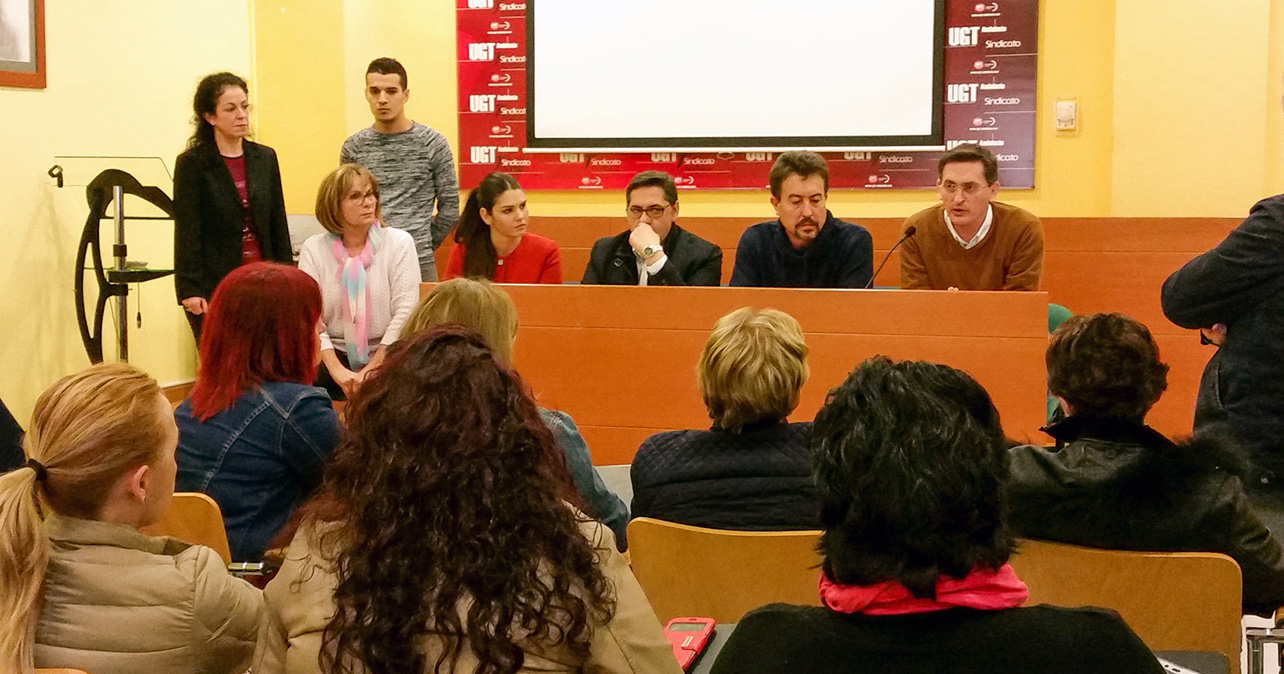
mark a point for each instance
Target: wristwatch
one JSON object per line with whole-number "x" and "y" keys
{"x": 648, "y": 251}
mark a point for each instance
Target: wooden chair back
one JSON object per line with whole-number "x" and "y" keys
{"x": 195, "y": 518}
{"x": 712, "y": 573}
{"x": 1175, "y": 601}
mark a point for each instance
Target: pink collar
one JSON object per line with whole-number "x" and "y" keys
{"x": 981, "y": 589}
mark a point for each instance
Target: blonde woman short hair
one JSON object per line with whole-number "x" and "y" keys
{"x": 752, "y": 368}
{"x": 475, "y": 304}
{"x": 87, "y": 431}
{"x": 334, "y": 189}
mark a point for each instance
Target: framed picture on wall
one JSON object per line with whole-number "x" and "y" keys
{"x": 22, "y": 43}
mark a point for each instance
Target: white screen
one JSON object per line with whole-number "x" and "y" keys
{"x": 751, "y": 69}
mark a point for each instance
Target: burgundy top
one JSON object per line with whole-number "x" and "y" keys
{"x": 250, "y": 249}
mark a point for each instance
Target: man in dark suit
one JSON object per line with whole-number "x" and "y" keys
{"x": 654, "y": 250}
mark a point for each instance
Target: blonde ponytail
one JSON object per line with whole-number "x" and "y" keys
{"x": 24, "y": 555}
{"x": 88, "y": 429}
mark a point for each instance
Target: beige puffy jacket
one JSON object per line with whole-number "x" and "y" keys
{"x": 301, "y": 601}
{"x": 119, "y": 601}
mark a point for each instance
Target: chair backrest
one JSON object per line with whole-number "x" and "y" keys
{"x": 1174, "y": 601}
{"x": 195, "y": 518}
{"x": 693, "y": 571}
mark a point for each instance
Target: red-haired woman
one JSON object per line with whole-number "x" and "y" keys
{"x": 255, "y": 433}
{"x": 442, "y": 539}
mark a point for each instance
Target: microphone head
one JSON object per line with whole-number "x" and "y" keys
{"x": 909, "y": 231}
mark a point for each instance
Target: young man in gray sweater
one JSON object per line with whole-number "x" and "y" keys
{"x": 413, "y": 163}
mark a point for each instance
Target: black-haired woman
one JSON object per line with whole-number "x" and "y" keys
{"x": 229, "y": 209}
{"x": 492, "y": 240}
{"x": 910, "y": 470}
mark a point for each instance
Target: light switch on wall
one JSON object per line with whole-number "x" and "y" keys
{"x": 1067, "y": 115}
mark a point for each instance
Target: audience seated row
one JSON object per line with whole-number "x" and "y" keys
{"x": 260, "y": 450}
{"x": 453, "y": 526}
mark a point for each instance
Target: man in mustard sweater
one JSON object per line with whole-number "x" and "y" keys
{"x": 970, "y": 241}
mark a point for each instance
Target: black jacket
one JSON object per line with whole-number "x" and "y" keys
{"x": 692, "y": 261}
{"x": 842, "y": 256}
{"x": 1124, "y": 486}
{"x": 785, "y": 639}
{"x": 208, "y": 216}
{"x": 1241, "y": 283}
{"x": 759, "y": 479}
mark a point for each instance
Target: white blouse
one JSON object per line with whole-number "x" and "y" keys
{"x": 392, "y": 279}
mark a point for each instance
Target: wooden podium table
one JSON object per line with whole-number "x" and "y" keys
{"x": 621, "y": 360}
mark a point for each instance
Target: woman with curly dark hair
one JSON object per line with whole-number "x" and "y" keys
{"x": 1114, "y": 482}
{"x": 443, "y": 541}
{"x": 229, "y": 208}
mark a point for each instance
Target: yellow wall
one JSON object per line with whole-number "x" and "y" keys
{"x": 1179, "y": 109}
{"x": 1274, "y": 97}
{"x": 1190, "y": 120}
{"x": 299, "y": 58}
{"x": 1145, "y": 82}
{"x": 120, "y": 80}
{"x": 1075, "y": 62}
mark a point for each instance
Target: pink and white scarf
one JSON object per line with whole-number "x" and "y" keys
{"x": 356, "y": 297}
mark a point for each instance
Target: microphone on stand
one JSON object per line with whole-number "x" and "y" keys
{"x": 909, "y": 231}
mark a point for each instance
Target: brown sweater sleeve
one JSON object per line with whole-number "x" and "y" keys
{"x": 1026, "y": 270}
{"x": 913, "y": 270}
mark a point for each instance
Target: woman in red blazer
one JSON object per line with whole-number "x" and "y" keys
{"x": 492, "y": 242}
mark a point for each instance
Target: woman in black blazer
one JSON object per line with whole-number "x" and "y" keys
{"x": 228, "y": 205}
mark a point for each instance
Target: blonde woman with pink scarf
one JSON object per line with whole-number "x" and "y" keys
{"x": 368, "y": 274}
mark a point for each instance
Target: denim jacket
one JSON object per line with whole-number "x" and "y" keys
{"x": 258, "y": 459}
{"x": 600, "y": 503}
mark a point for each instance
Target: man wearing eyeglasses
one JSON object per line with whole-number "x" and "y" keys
{"x": 970, "y": 241}
{"x": 654, "y": 250}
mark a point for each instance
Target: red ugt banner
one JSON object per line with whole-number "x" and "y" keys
{"x": 991, "y": 60}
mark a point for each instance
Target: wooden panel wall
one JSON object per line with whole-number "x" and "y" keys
{"x": 1090, "y": 265}
{"x": 621, "y": 360}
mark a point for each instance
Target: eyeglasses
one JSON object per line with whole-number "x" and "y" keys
{"x": 969, "y": 189}
{"x": 356, "y": 197}
{"x": 636, "y": 212}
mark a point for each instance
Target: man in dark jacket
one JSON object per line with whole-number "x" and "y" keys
{"x": 1116, "y": 483}
{"x": 806, "y": 246}
{"x": 1235, "y": 292}
{"x": 654, "y": 250}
